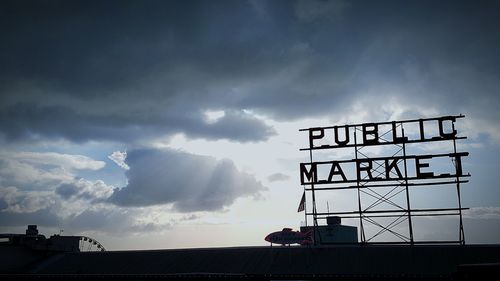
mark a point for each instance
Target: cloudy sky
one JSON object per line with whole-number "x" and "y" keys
{"x": 169, "y": 124}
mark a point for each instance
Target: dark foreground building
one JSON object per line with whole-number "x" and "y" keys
{"x": 370, "y": 262}
{"x": 34, "y": 257}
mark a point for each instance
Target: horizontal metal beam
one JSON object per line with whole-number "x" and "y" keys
{"x": 415, "y": 156}
{"x": 389, "y": 211}
{"x": 327, "y": 146}
{"x": 387, "y": 185}
{"x": 395, "y": 216}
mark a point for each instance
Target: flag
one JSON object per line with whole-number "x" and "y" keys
{"x": 302, "y": 205}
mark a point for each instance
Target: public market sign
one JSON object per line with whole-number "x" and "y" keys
{"x": 406, "y": 167}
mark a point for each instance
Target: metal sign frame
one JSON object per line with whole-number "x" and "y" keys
{"x": 384, "y": 178}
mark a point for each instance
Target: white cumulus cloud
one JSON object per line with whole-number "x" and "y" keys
{"x": 119, "y": 158}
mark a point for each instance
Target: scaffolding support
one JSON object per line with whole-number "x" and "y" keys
{"x": 384, "y": 193}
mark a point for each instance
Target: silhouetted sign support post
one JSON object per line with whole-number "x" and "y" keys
{"x": 372, "y": 175}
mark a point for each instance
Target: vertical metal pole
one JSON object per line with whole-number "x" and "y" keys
{"x": 360, "y": 211}
{"x": 410, "y": 225}
{"x": 305, "y": 205}
{"x": 315, "y": 220}
{"x": 461, "y": 232}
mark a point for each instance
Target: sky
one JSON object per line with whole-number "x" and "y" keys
{"x": 175, "y": 124}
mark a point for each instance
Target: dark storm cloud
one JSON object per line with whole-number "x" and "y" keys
{"x": 3, "y": 204}
{"x": 235, "y": 125}
{"x": 85, "y": 70}
{"x": 29, "y": 120}
{"x": 116, "y": 70}
{"x": 191, "y": 182}
{"x": 67, "y": 191}
{"x": 43, "y": 217}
